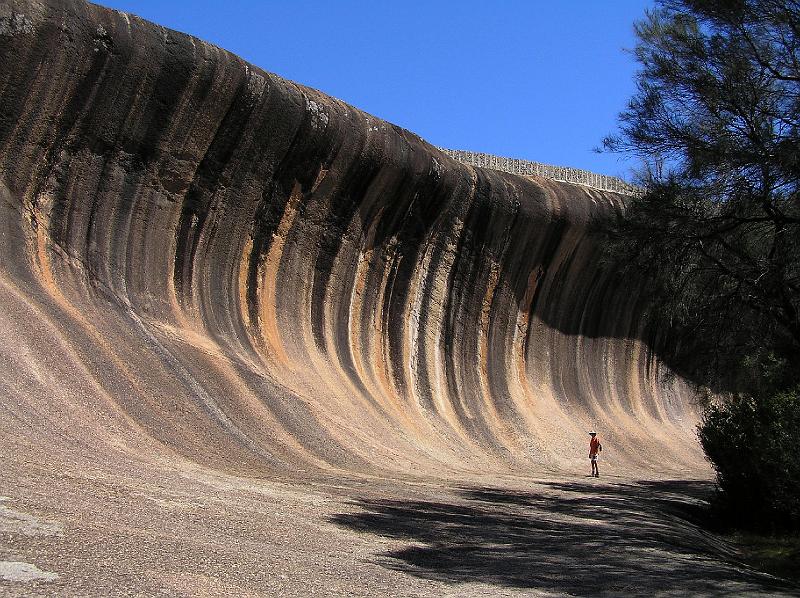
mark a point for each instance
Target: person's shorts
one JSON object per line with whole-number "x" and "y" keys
{"x": 593, "y": 457}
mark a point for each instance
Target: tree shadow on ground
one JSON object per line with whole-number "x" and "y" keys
{"x": 642, "y": 538}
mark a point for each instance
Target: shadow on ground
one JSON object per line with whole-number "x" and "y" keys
{"x": 641, "y": 538}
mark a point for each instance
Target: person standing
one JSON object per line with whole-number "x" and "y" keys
{"x": 594, "y": 449}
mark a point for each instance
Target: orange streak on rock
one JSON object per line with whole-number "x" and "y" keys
{"x": 269, "y": 273}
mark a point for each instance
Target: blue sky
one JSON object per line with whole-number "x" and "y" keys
{"x": 526, "y": 79}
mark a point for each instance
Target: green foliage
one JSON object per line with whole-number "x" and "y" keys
{"x": 715, "y": 236}
{"x": 716, "y": 122}
{"x": 753, "y": 447}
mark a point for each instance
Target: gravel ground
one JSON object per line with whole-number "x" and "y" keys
{"x": 153, "y": 531}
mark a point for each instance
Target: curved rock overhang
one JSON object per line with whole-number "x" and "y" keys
{"x": 201, "y": 260}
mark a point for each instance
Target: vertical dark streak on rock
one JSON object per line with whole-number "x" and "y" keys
{"x": 552, "y": 239}
{"x": 466, "y": 284}
{"x": 353, "y": 186}
{"x": 207, "y": 179}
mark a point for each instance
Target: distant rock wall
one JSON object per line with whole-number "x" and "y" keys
{"x": 556, "y": 173}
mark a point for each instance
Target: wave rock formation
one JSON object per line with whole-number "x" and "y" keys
{"x": 204, "y": 263}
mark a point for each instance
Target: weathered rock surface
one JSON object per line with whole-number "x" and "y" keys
{"x": 254, "y": 342}
{"x": 203, "y": 263}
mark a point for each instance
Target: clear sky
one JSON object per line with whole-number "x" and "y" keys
{"x": 533, "y": 79}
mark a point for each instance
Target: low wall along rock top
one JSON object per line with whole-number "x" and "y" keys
{"x": 557, "y": 173}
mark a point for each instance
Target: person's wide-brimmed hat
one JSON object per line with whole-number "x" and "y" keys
{"x": 592, "y": 433}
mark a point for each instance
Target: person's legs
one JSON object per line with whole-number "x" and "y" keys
{"x": 594, "y": 465}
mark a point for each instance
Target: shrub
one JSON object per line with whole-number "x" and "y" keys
{"x": 754, "y": 445}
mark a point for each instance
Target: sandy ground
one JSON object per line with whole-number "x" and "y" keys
{"x": 191, "y": 532}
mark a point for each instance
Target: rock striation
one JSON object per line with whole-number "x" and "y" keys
{"x": 204, "y": 263}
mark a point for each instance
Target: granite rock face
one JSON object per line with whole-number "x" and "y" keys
{"x": 203, "y": 262}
